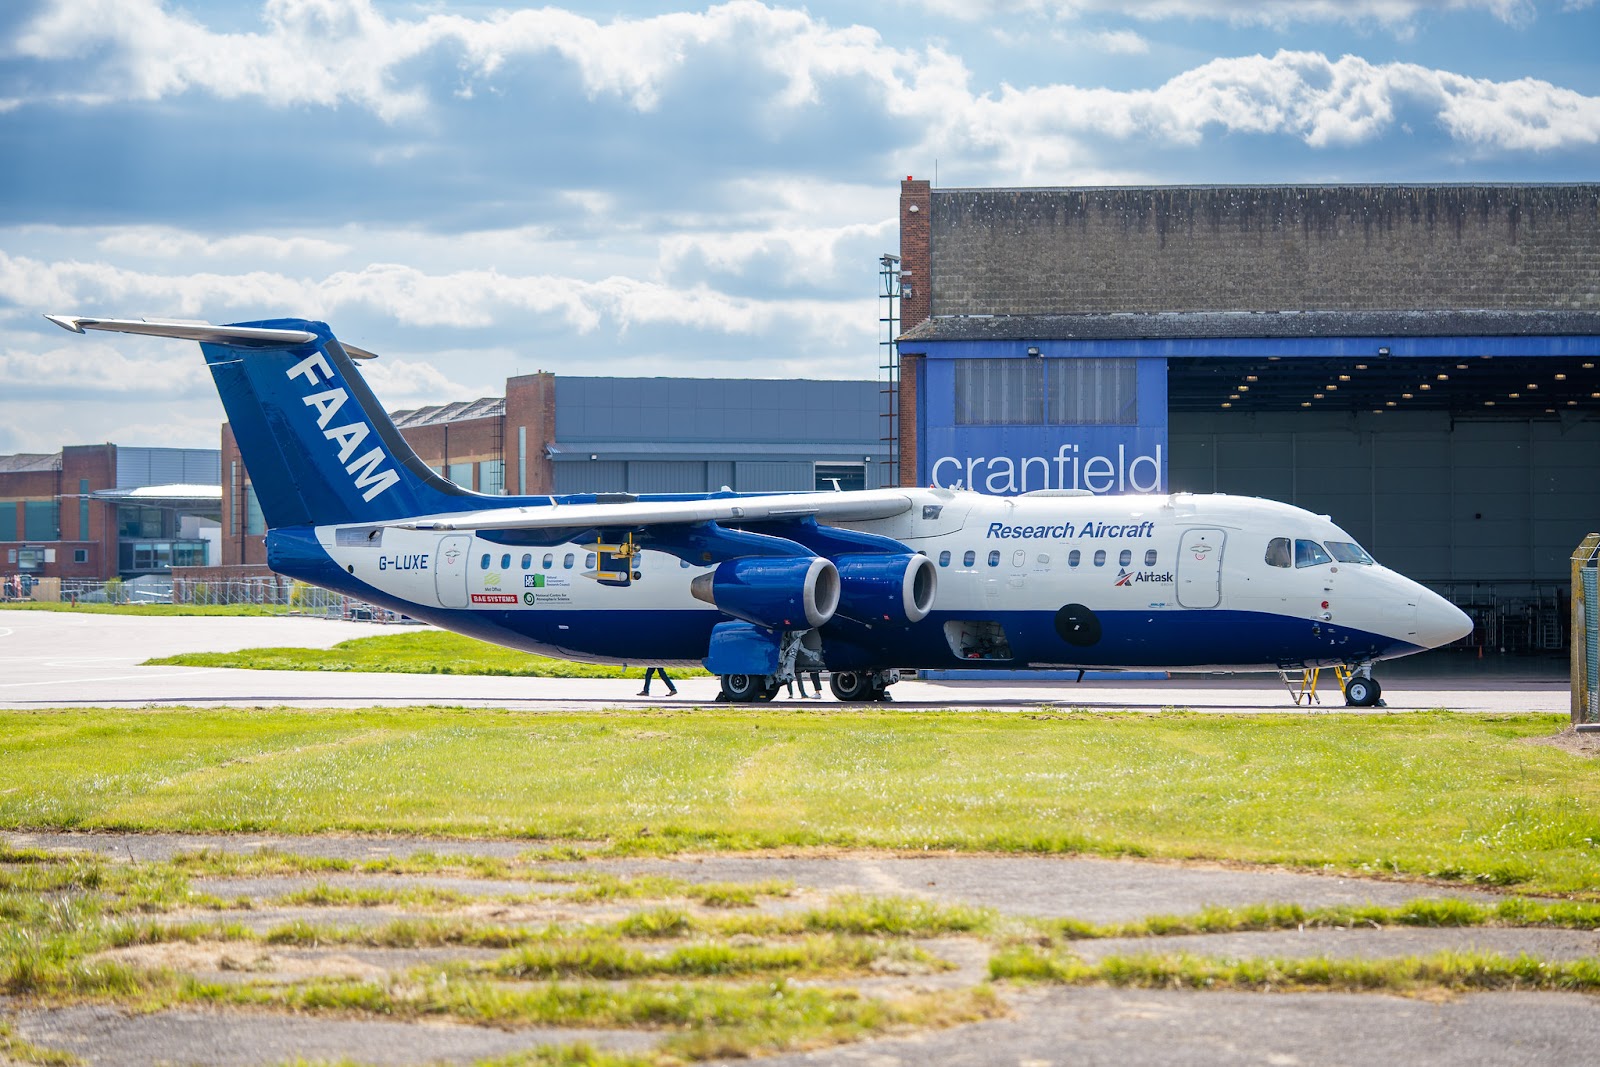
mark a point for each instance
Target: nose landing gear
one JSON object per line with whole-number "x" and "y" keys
{"x": 1362, "y": 689}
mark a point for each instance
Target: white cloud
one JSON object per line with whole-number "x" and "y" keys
{"x": 1391, "y": 13}
{"x": 406, "y": 295}
{"x": 327, "y": 52}
{"x": 1117, "y": 42}
{"x": 165, "y": 242}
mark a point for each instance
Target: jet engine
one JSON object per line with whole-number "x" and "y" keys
{"x": 778, "y": 592}
{"x": 893, "y": 590}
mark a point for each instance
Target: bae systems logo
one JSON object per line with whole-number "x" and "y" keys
{"x": 363, "y": 470}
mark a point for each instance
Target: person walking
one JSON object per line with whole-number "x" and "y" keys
{"x": 672, "y": 690}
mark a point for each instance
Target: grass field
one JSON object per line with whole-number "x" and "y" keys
{"x": 411, "y": 652}
{"x": 1434, "y": 795}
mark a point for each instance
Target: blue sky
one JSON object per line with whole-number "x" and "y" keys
{"x": 478, "y": 190}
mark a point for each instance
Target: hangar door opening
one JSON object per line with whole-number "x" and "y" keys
{"x": 1485, "y": 511}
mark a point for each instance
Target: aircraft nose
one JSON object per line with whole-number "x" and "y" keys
{"x": 1440, "y": 622}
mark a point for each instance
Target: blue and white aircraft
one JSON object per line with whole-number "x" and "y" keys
{"x": 761, "y": 586}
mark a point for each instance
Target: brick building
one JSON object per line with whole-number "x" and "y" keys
{"x": 1417, "y": 361}
{"x": 93, "y": 512}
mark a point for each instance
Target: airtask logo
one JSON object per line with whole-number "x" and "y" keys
{"x": 1127, "y": 577}
{"x": 1065, "y": 470}
{"x": 363, "y": 470}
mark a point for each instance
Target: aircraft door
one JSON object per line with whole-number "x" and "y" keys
{"x": 450, "y": 579}
{"x": 1199, "y": 570}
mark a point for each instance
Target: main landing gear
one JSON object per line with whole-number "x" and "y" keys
{"x": 854, "y": 687}
{"x": 849, "y": 687}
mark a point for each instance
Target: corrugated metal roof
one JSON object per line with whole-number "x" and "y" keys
{"x": 147, "y": 493}
{"x": 460, "y": 411}
{"x": 30, "y": 461}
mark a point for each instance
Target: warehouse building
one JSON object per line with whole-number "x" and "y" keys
{"x": 1418, "y": 362}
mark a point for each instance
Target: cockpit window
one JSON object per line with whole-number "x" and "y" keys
{"x": 1349, "y": 552}
{"x": 1309, "y": 554}
{"x": 1278, "y": 552}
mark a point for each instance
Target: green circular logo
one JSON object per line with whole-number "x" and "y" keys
{"x": 527, "y": 598}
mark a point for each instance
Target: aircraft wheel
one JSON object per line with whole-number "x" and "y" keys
{"x": 851, "y": 686}
{"x": 744, "y": 688}
{"x": 769, "y": 694}
{"x": 1362, "y": 692}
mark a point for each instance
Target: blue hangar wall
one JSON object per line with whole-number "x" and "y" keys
{"x": 1013, "y": 417}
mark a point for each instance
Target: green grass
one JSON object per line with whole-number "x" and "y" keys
{"x": 1456, "y": 972}
{"x": 1441, "y": 796}
{"x": 413, "y": 652}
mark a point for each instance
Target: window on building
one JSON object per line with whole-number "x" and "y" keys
{"x": 492, "y": 477}
{"x": 254, "y": 523}
{"x": 1056, "y": 392}
{"x": 991, "y": 392}
{"x": 83, "y": 512}
{"x": 1092, "y": 391}
{"x": 8, "y": 521}
{"x": 848, "y": 476}
{"x": 461, "y": 474}
{"x": 39, "y": 521}
{"x": 80, "y": 555}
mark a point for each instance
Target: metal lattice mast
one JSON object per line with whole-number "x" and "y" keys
{"x": 889, "y": 363}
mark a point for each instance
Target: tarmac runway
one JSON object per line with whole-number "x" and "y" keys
{"x": 60, "y": 659}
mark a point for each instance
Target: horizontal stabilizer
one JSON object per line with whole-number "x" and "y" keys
{"x": 239, "y": 336}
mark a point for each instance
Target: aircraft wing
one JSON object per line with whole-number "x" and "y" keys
{"x": 828, "y": 507}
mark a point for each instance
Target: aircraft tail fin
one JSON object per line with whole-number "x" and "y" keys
{"x": 319, "y": 448}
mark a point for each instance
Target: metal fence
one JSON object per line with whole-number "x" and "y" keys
{"x": 271, "y": 591}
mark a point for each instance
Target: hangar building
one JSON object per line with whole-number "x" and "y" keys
{"x": 1419, "y": 362}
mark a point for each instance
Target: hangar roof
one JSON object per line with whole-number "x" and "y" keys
{"x": 1484, "y": 361}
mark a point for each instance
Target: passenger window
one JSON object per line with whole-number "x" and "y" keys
{"x": 1019, "y": 558}
{"x": 1309, "y": 554}
{"x": 527, "y": 560}
{"x": 944, "y": 558}
{"x": 969, "y": 559}
{"x": 994, "y": 558}
{"x": 1074, "y": 558}
{"x": 567, "y": 561}
{"x": 588, "y": 560}
{"x": 1350, "y": 552}
{"x": 483, "y": 564}
{"x": 505, "y": 562}
{"x": 1125, "y": 558}
{"x": 1150, "y": 557}
{"x": 549, "y": 560}
{"x": 1278, "y": 552}
{"x": 1099, "y": 557}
